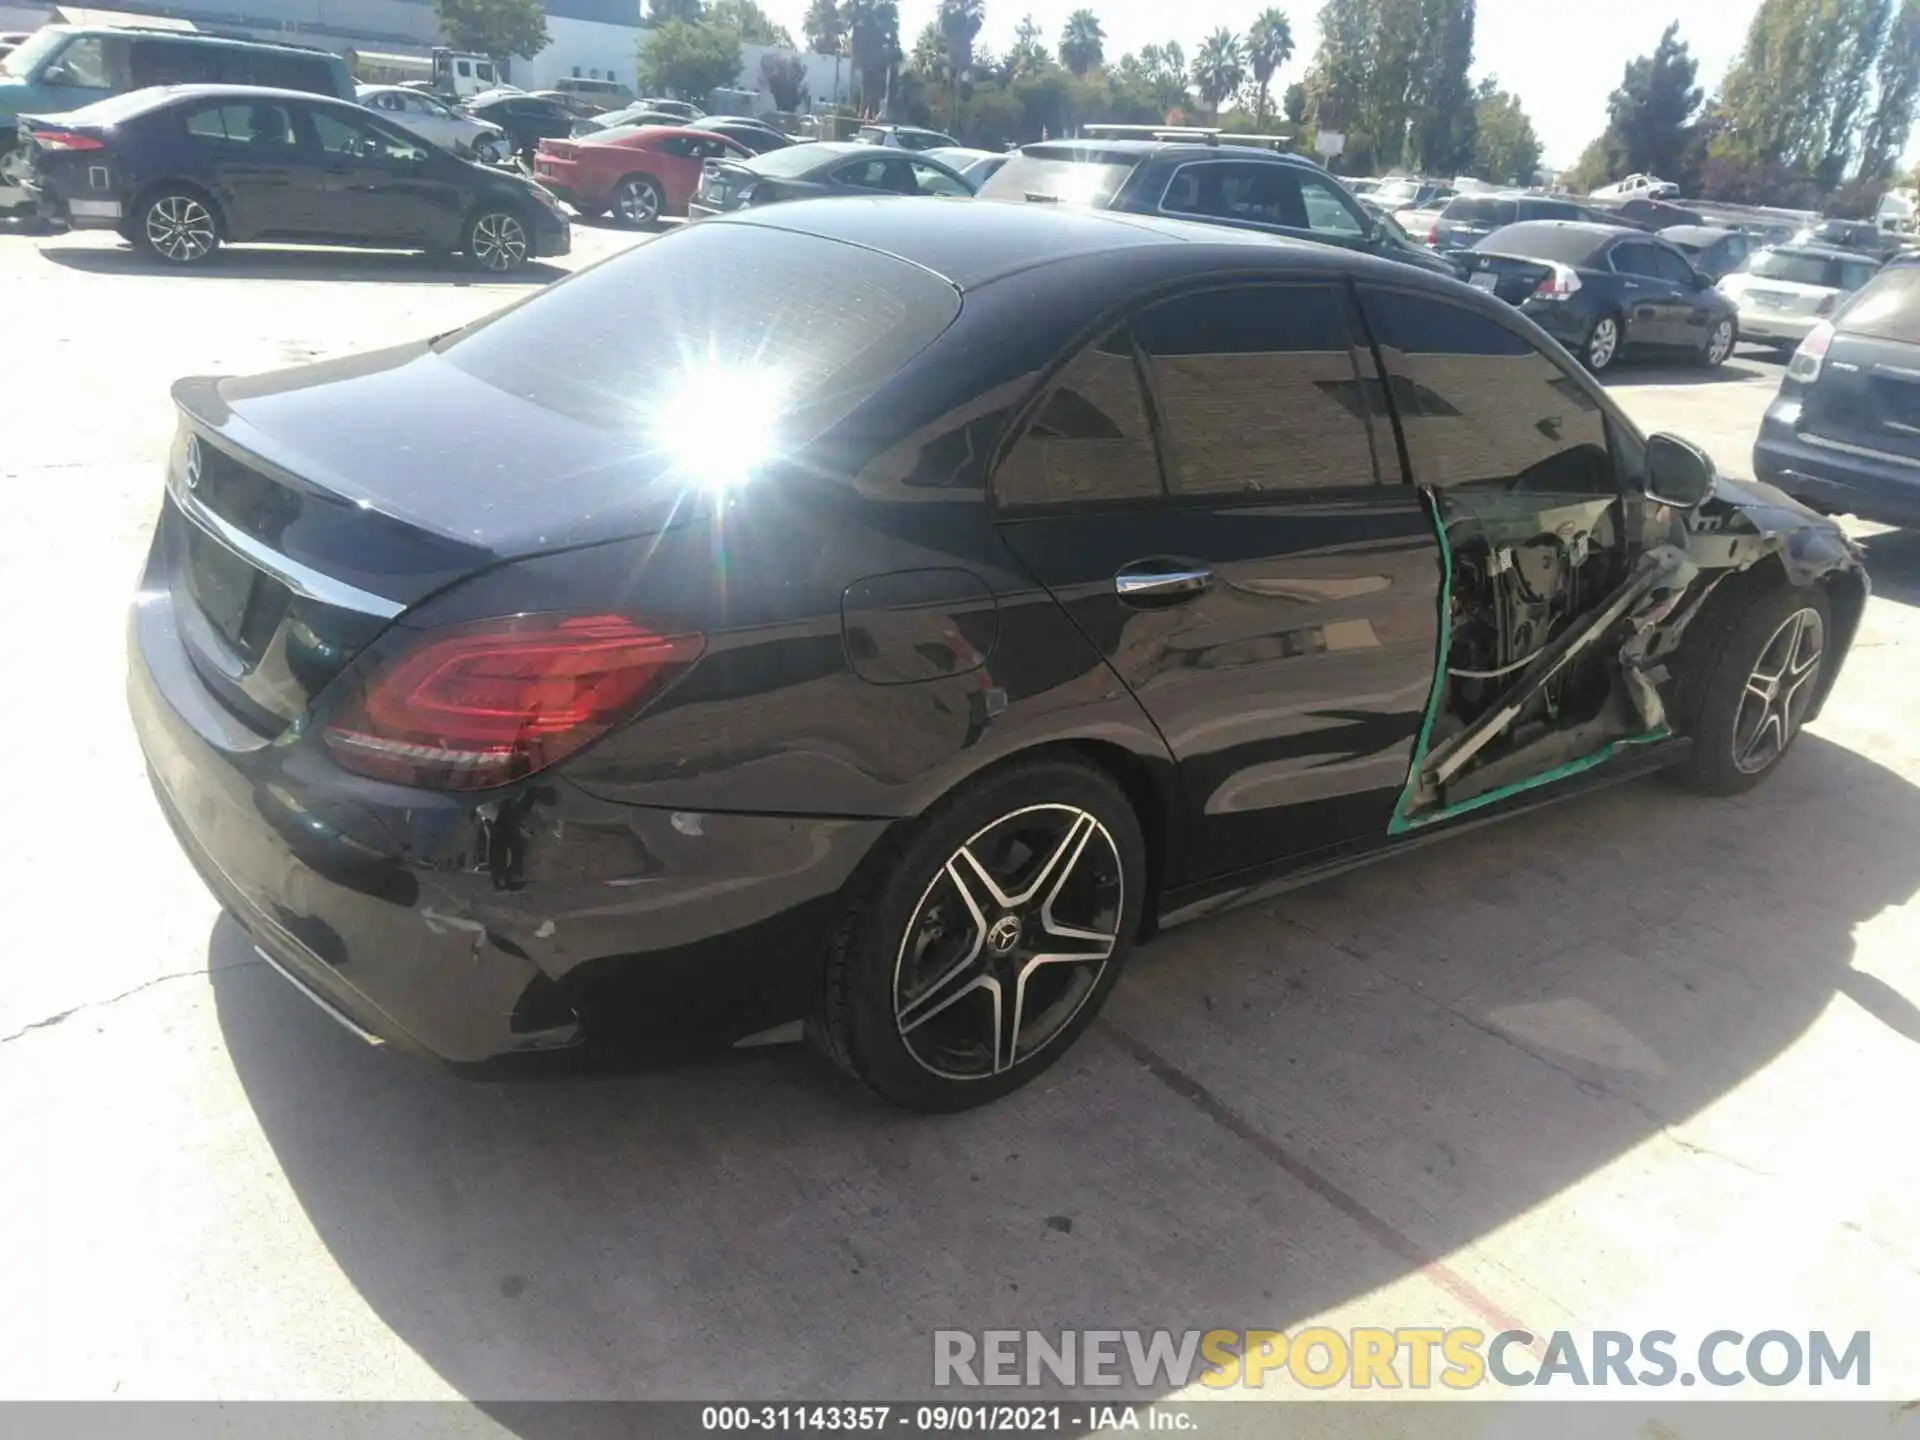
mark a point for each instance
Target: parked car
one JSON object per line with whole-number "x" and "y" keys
{"x": 1715, "y": 250}
{"x": 640, "y": 174}
{"x": 822, "y": 168}
{"x": 60, "y": 68}
{"x": 1466, "y": 219}
{"x": 1862, "y": 237}
{"x": 1784, "y": 291}
{"x": 1638, "y": 187}
{"x": 600, "y": 95}
{"x": 755, "y": 136}
{"x": 974, "y": 166}
{"x": 1601, "y": 290}
{"x": 1842, "y": 434}
{"x": 687, "y": 111}
{"x": 626, "y": 119}
{"x": 919, "y": 772}
{"x": 904, "y": 137}
{"x": 436, "y": 121}
{"x": 180, "y": 170}
{"x": 1230, "y": 185}
{"x": 1403, "y": 192}
{"x": 526, "y": 120}
{"x": 1652, "y": 216}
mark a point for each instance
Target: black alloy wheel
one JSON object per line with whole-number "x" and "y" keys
{"x": 989, "y": 940}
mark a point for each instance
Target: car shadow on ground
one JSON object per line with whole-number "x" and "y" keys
{"x": 1893, "y": 564}
{"x": 290, "y": 263}
{"x": 1681, "y": 370}
{"x": 1282, "y": 1110}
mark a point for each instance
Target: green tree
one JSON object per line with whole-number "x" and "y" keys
{"x": 752, "y": 24}
{"x": 1796, "y": 95}
{"x": 1441, "y": 100}
{"x": 1219, "y": 68}
{"x": 1028, "y": 55}
{"x": 1884, "y": 139}
{"x": 1506, "y": 151}
{"x": 785, "y": 77}
{"x": 960, "y": 22}
{"x": 1293, "y": 104}
{"x": 1650, "y": 116}
{"x": 1082, "y": 42}
{"x": 494, "y": 27}
{"x": 1269, "y": 48}
{"x": 873, "y": 39}
{"x": 682, "y": 58}
{"x": 659, "y": 12}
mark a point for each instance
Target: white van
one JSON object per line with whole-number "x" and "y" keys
{"x": 1897, "y": 211}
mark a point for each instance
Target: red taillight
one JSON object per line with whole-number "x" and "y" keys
{"x": 66, "y": 140}
{"x": 1557, "y": 284}
{"x": 1433, "y": 234}
{"x": 485, "y": 704}
{"x": 1807, "y": 360}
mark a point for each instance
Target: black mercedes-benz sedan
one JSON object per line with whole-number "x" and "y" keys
{"x": 881, "y": 616}
{"x": 818, "y": 169}
{"x": 1603, "y": 290}
{"x": 179, "y": 170}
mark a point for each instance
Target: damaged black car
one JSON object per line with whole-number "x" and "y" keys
{"x": 863, "y": 622}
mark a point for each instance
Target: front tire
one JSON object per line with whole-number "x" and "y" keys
{"x": 1752, "y": 668}
{"x": 1603, "y": 343}
{"x": 176, "y": 225}
{"x": 988, "y": 940}
{"x": 498, "y": 241}
{"x": 1719, "y": 345}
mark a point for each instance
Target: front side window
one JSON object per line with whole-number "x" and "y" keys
{"x": 1090, "y": 441}
{"x": 484, "y": 71}
{"x": 171, "y": 62}
{"x": 340, "y": 136}
{"x": 1327, "y": 212}
{"x": 1669, "y": 265}
{"x": 81, "y": 66}
{"x": 1257, "y": 391}
{"x": 1479, "y": 405}
{"x": 465, "y": 69}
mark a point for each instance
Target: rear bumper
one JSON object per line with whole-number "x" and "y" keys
{"x": 1851, "y": 481}
{"x": 697, "y": 211}
{"x": 1559, "y": 319}
{"x": 1757, "y": 324}
{"x": 467, "y": 928}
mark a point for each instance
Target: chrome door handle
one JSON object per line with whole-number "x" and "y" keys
{"x": 1167, "y": 586}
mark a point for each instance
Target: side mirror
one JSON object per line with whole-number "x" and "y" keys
{"x": 1678, "y": 472}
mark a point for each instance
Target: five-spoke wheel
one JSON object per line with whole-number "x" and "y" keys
{"x": 989, "y": 939}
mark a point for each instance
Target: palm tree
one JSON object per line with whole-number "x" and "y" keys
{"x": 1082, "y": 42}
{"x": 1166, "y": 66}
{"x": 1269, "y": 47}
{"x": 1219, "y": 68}
{"x": 873, "y": 39}
{"x": 929, "y": 57}
{"x": 826, "y": 35}
{"x": 959, "y": 22}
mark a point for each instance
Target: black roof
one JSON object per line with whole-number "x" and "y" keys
{"x": 155, "y": 97}
{"x": 972, "y": 243}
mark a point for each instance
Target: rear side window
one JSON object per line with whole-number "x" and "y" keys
{"x": 1547, "y": 210}
{"x": 172, "y": 62}
{"x": 1257, "y": 391}
{"x": 1480, "y": 405}
{"x": 286, "y": 72}
{"x": 1888, "y": 308}
{"x": 1090, "y": 441}
{"x": 258, "y": 125}
{"x": 708, "y": 325}
{"x": 1669, "y": 266}
{"x": 1635, "y": 260}
{"x": 1480, "y": 212}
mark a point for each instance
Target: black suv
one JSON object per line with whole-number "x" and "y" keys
{"x": 1219, "y": 183}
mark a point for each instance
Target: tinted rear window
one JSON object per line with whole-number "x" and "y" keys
{"x": 819, "y": 324}
{"x": 1888, "y": 308}
{"x": 1543, "y": 242}
{"x": 1086, "y": 177}
{"x": 1795, "y": 267}
{"x": 1480, "y": 212}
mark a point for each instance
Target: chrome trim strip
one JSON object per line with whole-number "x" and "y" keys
{"x": 298, "y": 578}
{"x": 1861, "y": 450}
{"x": 318, "y": 999}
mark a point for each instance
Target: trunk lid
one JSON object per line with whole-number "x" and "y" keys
{"x": 1511, "y": 277}
{"x": 720, "y": 180}
{"x": 1868, "y": 394}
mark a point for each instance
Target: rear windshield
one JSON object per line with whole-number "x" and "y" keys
{"x": 791, "y": 161}
{"x": 1543, "y": 242}
{"x": 1887, "y": 308}
{"x": 1087, "y": 177}
{"x": 1794, "y": 266}
{"x": 1480, "y": 212}
{"x": 715, "y": 319}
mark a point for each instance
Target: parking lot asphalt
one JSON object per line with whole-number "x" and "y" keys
{"x": 1639, "y": 1061}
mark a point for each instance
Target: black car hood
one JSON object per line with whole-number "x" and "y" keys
{"x": 1810, "y": 544}
{"x": 405, "y": 433}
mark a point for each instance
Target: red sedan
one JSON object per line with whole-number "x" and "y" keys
{"x": 640, "y": 173}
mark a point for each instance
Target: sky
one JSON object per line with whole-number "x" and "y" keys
{"x": 1561, "y": 57}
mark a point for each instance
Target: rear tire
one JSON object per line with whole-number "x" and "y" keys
{"x": 498, "y": 240}
{"x": 987, "y": 939}
{"x": 1749, "y": 672}
{"x": 638, "y": 200}
{"x": 1602, "y": 345}
{"x": 176, "y": 224}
